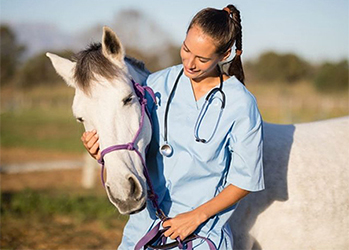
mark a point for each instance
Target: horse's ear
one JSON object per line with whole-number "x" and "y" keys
{"x": 63, "y": 67}
{"x": 111, "y": 46}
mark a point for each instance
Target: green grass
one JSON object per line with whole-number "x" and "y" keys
{"x": 47, "y": 129}
{"x": 59, "y": 219}
{"x": 82, "y": 207}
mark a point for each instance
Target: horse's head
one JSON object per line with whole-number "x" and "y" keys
{"x": 105, "y": 100}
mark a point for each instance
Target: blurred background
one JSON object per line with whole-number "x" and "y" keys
{"x": 295, "y": 60}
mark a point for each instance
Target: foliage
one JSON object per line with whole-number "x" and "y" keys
{"x": 38, "y": 70}
{"x": 155, "y": 62}
{"x": 11, "y": 53}
{"x": 287, "y": 68}
{"x": 332, "y": 77}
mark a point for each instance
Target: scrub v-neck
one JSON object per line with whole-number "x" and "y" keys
{"x": 189, "y": 89}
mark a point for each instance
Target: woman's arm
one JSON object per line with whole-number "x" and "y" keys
{"x": 186, "y": 223}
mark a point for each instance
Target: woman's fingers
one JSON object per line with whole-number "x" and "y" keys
{"x": 86, "y": 136}
{"x": 169, "y": 232}
{"x": 91, "y": 143}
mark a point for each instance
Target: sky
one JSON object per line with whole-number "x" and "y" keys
{"x": 316, "y": 30}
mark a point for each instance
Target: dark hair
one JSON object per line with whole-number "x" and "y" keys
{"x": 224, "y": 26}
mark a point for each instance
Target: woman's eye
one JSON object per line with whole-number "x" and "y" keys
{"x": 185, "y": 49}
{"x": 203, "y": 60}
{"x": 80, "y": 119}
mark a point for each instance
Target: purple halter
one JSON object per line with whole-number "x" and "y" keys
{"x": 140, "y": 92}
{"x": 154, "y": 236}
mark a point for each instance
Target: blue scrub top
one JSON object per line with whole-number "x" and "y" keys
{"x": 196, "y": 172}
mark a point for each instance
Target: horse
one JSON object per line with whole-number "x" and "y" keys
{"x": 105, "y": 100}
{"x": 305, "y": 204}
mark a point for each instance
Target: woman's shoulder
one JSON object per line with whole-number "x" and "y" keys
{"x": 240, "y": 102}
{"x": 164, "y": 75}
{"x": 237, "y": 93}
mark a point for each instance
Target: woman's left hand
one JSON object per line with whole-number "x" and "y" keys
{"x": 183, "y": 224}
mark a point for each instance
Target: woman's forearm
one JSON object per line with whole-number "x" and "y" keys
{"x": 228, "y": 197}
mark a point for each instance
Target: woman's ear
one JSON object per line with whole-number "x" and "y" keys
{"x": 226, "y": 55}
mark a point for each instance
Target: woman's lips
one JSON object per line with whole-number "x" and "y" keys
{"x": 190, "y": 71}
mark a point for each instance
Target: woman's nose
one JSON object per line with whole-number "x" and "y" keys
{"x": 191, "y": 63}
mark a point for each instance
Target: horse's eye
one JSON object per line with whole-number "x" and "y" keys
{"x": 127, "y": 99}
{"x": 80, "y": 119}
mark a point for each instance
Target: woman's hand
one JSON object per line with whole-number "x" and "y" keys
{"x": 183, "y": 224}
{"x": 91, "y": 143}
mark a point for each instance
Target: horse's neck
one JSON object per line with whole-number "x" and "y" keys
{"x": 137, "y": 75}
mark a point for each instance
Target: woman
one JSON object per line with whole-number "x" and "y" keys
{"x": 217, "y": 156}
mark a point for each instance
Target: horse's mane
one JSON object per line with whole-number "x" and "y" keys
{"x": 137, "y": 63}
{"x": 90, "y": 62}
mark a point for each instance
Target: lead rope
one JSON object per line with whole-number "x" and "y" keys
{"x": 156, "y": 234}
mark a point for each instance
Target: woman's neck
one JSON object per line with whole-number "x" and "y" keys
{"x": 202, "y": 86}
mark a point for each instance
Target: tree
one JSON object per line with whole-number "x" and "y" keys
{"x": 38, "y": 70}
{"x": 332, "y": 77}
{"x": 142, "y": 38}
{"x": 286, "y": 67}
{"x": 11, "y": 53}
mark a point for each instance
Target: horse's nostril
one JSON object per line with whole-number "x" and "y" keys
{"x": 135, "y": 189}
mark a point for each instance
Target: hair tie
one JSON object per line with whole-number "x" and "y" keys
{"x": 238, "y": 52}
{"x": 227, "y": 10}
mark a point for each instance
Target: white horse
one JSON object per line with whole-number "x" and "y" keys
{"x": 306, "y": 201}
{"x": 105, "y": 100}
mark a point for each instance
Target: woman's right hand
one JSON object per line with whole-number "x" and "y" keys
{"x": 91, "y": 143}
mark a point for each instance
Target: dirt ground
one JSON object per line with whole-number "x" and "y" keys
{"x": 62, "y": 232}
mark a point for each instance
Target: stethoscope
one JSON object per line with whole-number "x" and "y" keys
{"x": 166, "y": 149}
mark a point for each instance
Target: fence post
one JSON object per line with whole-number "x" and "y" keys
{"x": 89, "y": 171}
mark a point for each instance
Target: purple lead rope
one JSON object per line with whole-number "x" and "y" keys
{"x": 156, "y": 234}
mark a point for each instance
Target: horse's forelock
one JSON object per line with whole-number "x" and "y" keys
{"x": 91, "y": 62}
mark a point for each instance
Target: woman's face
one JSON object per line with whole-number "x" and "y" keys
{"x": 198, "y": 53}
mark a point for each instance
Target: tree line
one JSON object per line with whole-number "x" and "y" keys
{"x": 269, "y": 67}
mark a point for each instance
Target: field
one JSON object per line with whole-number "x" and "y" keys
{"x": 56, "y": 213}
{"x": 50, "y": 209}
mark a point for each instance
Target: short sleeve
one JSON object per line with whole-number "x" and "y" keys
{"x": 246, "y": 148}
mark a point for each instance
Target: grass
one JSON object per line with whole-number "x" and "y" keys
{"x": 83, "y": 207}
{"x": 298, "y": 102}
{"x": 54, "y": 130}
{"x": 57, "y": 219}
{"x": 40, "y": 118}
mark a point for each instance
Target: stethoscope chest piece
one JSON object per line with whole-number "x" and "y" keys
{"x": 166, "y": 149}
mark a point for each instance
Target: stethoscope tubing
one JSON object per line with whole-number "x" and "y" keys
{"x": 168, "y": 103}
{"x": 166, "y": 149}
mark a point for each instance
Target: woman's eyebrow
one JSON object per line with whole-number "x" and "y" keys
{"x": 201, "y": 57}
